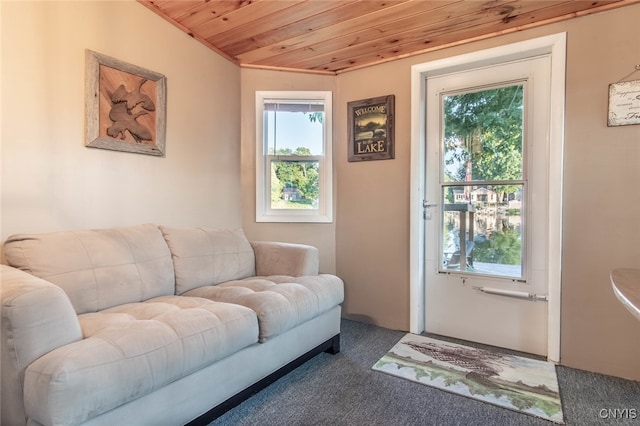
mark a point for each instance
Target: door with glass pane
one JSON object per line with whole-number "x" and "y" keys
{"x": 486, "y": 203}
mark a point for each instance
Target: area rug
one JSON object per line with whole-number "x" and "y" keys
{"x": 521, "y": 384}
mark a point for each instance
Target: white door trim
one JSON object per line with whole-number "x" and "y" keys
{"x": 555, "y": 45}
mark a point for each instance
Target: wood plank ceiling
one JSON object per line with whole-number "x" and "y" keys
{"x": 334, "y": 36}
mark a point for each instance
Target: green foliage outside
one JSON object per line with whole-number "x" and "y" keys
{"x": 316, "y": 116}
{"x": 295, "y": 184}
{"x": 483, "y": 134}
{"x": 299, "y": 177}
{"x": 483, "y": 142}
{"x": 504, "y": 248}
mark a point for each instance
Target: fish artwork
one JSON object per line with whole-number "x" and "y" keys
{"x": 124, "y": 118}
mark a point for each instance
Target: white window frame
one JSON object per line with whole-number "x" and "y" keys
{"x": 264, "y": 212}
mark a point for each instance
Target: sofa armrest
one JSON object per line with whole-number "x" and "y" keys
{"x": 276, "y": 258}
{"x": 36, "y": 317}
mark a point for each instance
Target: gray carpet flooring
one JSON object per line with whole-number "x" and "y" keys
{"x": 342, "y": 389}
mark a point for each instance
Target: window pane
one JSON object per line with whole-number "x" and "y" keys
{"x": 294, "y": 184}
{"x": 489, "y": 218}
{"x": 483, "y": 135}
{"x": 294, "y": 132}
{"x": 293, "y": 156}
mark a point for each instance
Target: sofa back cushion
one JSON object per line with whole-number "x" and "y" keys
{"x": 98, "y": 269}
{"x": 204, "y": 256}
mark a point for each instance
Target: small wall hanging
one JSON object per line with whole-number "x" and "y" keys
{"x": 125, "y": 106}
{"x": 624, "y": 102}
{"x": 371, "y": 129}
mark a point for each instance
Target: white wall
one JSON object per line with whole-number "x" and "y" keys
{"x": 51, "y": 181}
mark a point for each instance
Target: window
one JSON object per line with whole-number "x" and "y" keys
{"x": 293, "y": 157}
{"x": 483, "y": 179}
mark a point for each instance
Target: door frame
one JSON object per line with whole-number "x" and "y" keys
{"x": 553, "y": 45}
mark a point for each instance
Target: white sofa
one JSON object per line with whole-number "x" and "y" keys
{"x": 154, "y": 325}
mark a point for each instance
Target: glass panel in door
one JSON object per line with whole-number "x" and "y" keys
{"x": 483, "y": 181}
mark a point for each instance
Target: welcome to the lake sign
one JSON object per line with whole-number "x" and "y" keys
{"x": 371, "y": 129}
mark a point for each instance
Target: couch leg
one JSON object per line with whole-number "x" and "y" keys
{"x": 335, "y": 345}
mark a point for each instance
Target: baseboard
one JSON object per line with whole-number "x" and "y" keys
{"x": 331, "y": 346}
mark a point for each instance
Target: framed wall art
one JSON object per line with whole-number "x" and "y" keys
{"x": 125, "y": 106}
{"x": 371, "y": 131}
{"x": 624, "y": 103}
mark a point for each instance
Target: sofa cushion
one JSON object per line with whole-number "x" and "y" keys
{"x": 37, "y": 317}
{"x": 203, "y": 256}
{"x": 98, "y": 269}
{"x": 131, "y": 350}
{"x": 281, "y": 302}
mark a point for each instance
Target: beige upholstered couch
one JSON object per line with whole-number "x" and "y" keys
{"x": 153, "y": 325}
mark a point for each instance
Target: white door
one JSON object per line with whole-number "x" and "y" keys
{"x": 486, "y": 204}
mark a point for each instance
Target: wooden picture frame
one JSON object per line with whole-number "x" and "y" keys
{"x": 125, "y": 106}
{"x": 624, "y": 103}
{"x": 371, "y": 129}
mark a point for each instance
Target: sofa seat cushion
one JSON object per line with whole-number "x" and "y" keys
{"x": 131, "y": 350}
{"x": 281, "y": 302}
